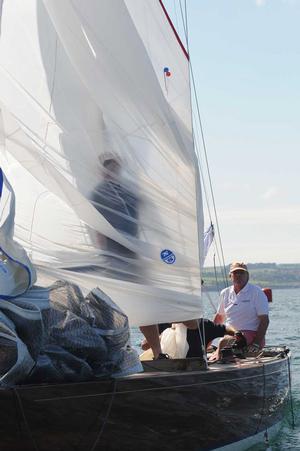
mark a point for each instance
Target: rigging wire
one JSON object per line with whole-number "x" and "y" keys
{"x": 184, "y": 17}
{"x": 197, "y": 175}
{"x": 206, "y": 195}
{"x": 215, "y": 271}
{"x": 200, "y": 165}
{"x": 209, "y": 177}
{"x": 176, "y": 16}
{"x": 201, "y": 332}
{"x": 210, "y": 300}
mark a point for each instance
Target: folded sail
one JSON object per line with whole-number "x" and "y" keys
{"x": 82, "y": 83}
{"x": 17, "y": 274}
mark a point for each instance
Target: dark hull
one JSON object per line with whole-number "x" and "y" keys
{"x": 196, "y": 410}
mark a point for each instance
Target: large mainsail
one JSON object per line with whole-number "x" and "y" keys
{"x": 81, "y": 80}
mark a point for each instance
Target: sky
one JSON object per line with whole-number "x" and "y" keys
{"x": 246, "y": 61}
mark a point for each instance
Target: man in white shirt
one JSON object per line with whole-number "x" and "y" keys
{"x": 245, "y": 307}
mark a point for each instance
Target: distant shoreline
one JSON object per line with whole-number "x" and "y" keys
{"x": 273, "y": 287}
{"x": 271, "y": 275}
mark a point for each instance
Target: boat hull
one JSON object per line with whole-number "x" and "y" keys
{"x": 195, "y": 410}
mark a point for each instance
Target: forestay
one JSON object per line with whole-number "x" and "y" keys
{"x": 80, "y": 83}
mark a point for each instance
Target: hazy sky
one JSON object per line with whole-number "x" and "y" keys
{"x": 246, "y": 59}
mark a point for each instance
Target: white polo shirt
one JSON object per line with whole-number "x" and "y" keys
{"x": 242, "y": 310}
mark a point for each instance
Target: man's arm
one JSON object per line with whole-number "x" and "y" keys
{"x": 219, "y": 318}
{"x": 262, "y": 310}
{"x": 261, "y": 331}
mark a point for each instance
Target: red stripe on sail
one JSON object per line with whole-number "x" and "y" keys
{"x": 174, "y": 30}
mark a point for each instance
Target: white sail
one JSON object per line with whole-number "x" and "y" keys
{"x": 80, "y": 81}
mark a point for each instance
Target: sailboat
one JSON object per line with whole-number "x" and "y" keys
{"x": 82, "y": 82}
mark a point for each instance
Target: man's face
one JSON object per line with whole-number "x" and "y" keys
{"x": 112, "y": 167}
{"x": 239, "y": 278}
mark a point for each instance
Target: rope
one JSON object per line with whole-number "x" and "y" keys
{"x": 264, "y": 399}
{"x": 184, "y": 17}
{"x": 203, "y": 344}
{"x": 209, "y": 175}
{"x": 290, "y": 393}
{"x": 106, "y": 417}
{"x": 200, "y": 173}
{"x": 126, "y": 392}
{"x": 20, "y": 404}
{"x": 96, "y": 442}
{"x": 210, "y": 300}
{"x": 216, "y": 275}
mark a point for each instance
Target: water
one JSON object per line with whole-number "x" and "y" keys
{"x": 284, "y": 329}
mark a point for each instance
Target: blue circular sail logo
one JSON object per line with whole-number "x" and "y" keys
{"x": 168, "y": 256}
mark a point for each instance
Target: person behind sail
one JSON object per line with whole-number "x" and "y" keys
{"x": 245, "y": 307}
{"x": 120, "y": 207}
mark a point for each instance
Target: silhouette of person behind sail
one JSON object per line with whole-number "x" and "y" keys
{"x": 120, "y": 208}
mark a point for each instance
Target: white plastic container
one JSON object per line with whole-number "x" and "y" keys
{"x": 173, "y": 341}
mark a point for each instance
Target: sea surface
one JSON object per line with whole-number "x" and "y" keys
{"x": 284, "y": 329}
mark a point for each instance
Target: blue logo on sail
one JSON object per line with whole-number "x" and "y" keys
{"x": 168, "y": 256}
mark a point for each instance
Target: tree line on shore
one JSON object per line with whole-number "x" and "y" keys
{"x": 271, "y": 275}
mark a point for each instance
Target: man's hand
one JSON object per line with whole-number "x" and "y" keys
{"x": 240, "y": 340}
{"x": 254, "y": 347}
